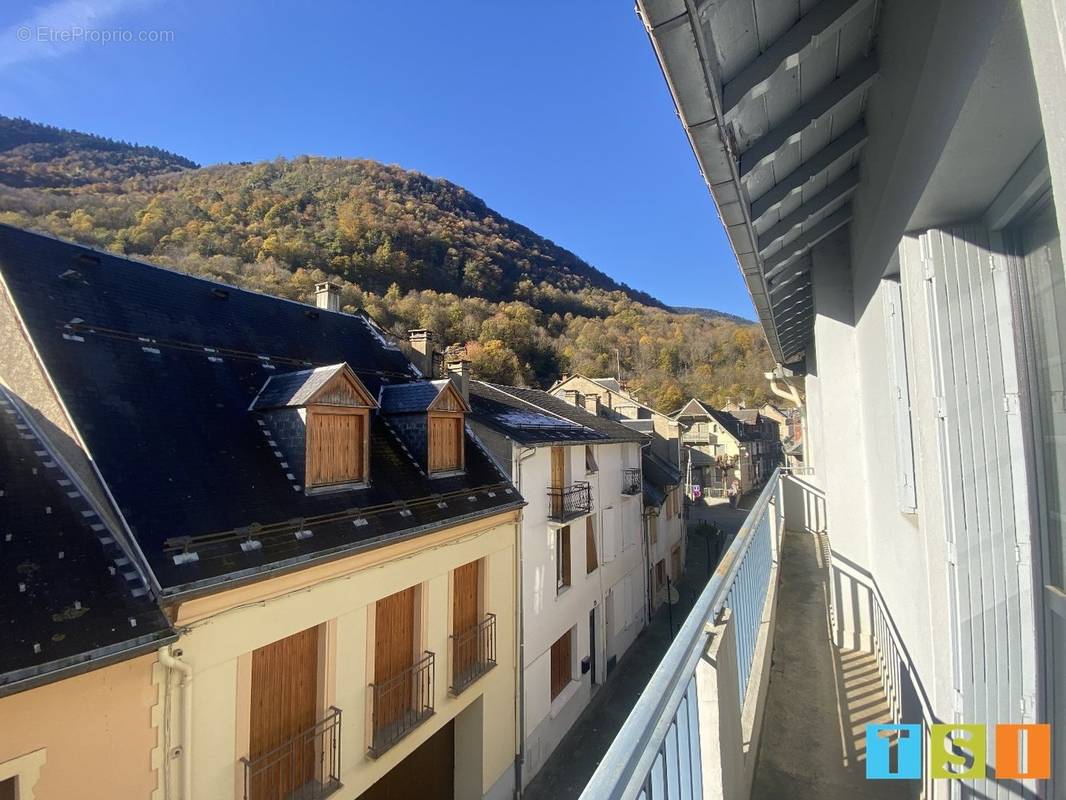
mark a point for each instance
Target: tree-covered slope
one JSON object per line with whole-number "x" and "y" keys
{"x": 414, "y": 251}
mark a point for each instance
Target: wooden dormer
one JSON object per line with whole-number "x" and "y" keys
{"x": 334, "y": 408}
{"x": 445, "y": 442}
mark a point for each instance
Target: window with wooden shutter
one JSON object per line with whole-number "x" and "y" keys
{"x": 591, "y": 561}
{"x": 562, "y": 558}
{"x": 561, "y": 667}
{"x": 337, "y": 445}
{"x": 445, "y": 442}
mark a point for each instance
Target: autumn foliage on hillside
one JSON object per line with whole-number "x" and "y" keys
{"x": 410, "y": 250}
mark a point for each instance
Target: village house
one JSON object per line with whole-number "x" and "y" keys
{"x": 584, "y": 568}
{"x": 764, "y": 434}
{"x": 663, "y": 465}
{"x": 721, "y": 449}
{"x": 336, "y": 548}
{"x": 79, "y": 625}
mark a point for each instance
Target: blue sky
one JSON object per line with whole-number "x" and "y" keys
{"x": 555, "y": 113}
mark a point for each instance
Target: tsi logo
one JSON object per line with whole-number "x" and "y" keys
{"x": 894, "y": 752}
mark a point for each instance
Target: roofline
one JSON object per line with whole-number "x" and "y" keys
{"x": 640, "y": 403}
{"x": 61, "y": 669}
{"x": 231, "y": 580}
{"x": 126, "y": 540}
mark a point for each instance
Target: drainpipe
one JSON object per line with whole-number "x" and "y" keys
{"x": 520, "y": 667}
{"x": 788, "y": 392}
{"x": 645, "y": 543}
{"x": 170, "y": 660}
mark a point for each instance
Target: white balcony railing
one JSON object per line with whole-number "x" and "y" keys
{"x": 688, "y": 728}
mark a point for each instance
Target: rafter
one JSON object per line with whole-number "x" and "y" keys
{"x": 853, "y": 138}
{"x": 841, "y": 187}
{"x": 854, "y": 80}
{"x": 777, "y": 263}
{"x": 789, "y": 50}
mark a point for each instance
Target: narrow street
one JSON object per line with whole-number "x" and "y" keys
{"x": 574, "y": 760}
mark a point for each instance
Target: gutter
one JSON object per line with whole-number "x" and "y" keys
{"x": 170, "y": 660}
{"x": 520, "y": 662}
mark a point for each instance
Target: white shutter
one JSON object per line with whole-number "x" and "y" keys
{"x": 978, "y": 438}
{"x": 893, "y": 308}
{"x": 610, "y": 535}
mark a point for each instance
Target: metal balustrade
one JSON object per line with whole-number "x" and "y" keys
{"x": 631, "y": 481}
{"x": 567, "y": 502}
{"x": 307, "y": 766}
{"x": 658, "y": 751}
{"x": 473, "y": 653}
{"x": 402, "y": 703}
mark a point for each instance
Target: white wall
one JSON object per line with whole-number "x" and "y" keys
{"x": 548, "y": 614}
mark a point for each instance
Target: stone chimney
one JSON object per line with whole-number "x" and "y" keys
{"x": 572, "y": 396}
{"x": 426, "y": 357}
{"x": 328, "y": 296}
{"x": 459, "y": 374}
{"x": 592, "y": 404}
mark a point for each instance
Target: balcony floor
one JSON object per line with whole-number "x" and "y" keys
{"x": 820, "y": 697}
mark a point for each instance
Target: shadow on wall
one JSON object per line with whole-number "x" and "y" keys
{"x": 804, "y": 505}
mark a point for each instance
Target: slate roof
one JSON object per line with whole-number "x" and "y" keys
{"x": 733, "y": 425}
{"x": 69, "y": 598}
{"x": 158, "y": 370}
{"x": 749, "y": 416}
{"x": 659, "y": 477}
{"x": 294, "y": 388}
{"x": 532, "y": 417}
{"x": 411, "y": 398}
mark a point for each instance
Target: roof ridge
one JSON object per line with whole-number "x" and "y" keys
{"x": 500, "y": 388}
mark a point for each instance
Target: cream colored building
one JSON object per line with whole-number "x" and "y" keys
{"x": 336, "y": 549}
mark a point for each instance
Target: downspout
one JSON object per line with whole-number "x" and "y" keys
{"x": 789, "y": 393}
{"x": 170, "y": 661}
{"x": 646, "y": 545}
{"x": 520, "y": 666}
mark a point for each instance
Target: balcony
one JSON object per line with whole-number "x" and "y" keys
{"x": 569, "y": 502}
{"x": 631, "y": 481}
{"x": 754, "y": 699}
{"x": 306, "y": 767}
{"x": 401, "y": 704}
{"x": 473, "y": 653}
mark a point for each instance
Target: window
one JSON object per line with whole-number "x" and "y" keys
{"x": 8, "y": 789}
{"x": 337, "y": 445}
{"x": 591, "y": 562}
{"x": 446, "y": 441}
{"x": 893, "y": 307}
{"x": 561, "y": 665}
{"x": 590, "y": 460}
{"x": 562, "y": 558}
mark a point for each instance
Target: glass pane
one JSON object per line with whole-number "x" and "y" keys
{"x": 1047, "y": 300}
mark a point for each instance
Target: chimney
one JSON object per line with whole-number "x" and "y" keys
{"x": 459, "y": 374}
{"x": 572, "y": 396}
{"x": 426, "y": 357}
{"x": 592, "y": 404}
{"x": 328, "y": 296}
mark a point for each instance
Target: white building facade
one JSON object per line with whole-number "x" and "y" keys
{"x": 583, "y": 564}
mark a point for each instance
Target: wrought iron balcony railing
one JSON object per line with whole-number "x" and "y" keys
{"x": 473, "y": 653}
{"x": 568, "y": 502}
{"x": 402, "y": 703}
{"x": 306, "y": 766}
{"x": 631, "y": 481}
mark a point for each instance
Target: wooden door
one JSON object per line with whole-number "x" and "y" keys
{"x": 394, "y": 650}
{"x": 465, "y": 592}
{"x": 284, "y": 704}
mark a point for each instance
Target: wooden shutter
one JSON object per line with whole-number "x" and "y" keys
{"x": 558, "y": 467}
{"x": 675, "y": 565}
{"x": 561, "y": 667}
{"x": 591, "y": 562}
{"x": 335, "y": 446}
{"x": 284, "y": 702}
{"x": 445, "y": 442}
{"x": 465, "y": 617}
{"x": 394, "y": 650}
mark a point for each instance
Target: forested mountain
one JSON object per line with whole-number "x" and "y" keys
{"x": 412, "y": 251}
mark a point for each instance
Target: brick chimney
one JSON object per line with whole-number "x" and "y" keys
{"x": 328, "y": 296}
{"x": 459, "y": 374}
{"x": 425, "y": 357}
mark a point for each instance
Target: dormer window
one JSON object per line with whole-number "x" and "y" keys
{"x": 320, "y": 420}
{"x": 430, "y": 417}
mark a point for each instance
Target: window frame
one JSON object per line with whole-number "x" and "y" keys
{"x": 454, "y": 415}
{"x": 316, "y": 410}
{"x": 563, "y": 559}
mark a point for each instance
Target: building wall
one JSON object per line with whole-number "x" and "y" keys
{"x": 548, "y": 614}
{"x": 90, "y": 736}
{"x": 222, "y": 630}
{"x": 670, "y": 533}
